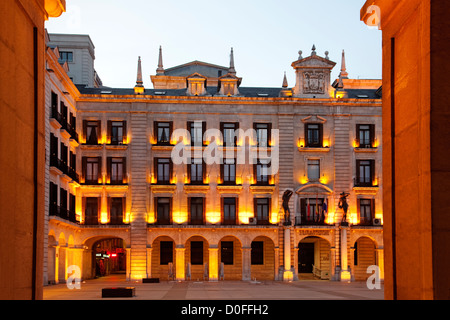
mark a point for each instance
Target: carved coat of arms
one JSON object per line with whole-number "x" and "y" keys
{"x": 314, "y": 82}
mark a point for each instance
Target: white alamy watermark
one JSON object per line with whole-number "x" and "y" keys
{"x": 373, "y": 20}
{"x": 74, "y": 279}
{"x": 374, "y": 281}
{"x": 234, "y": 144}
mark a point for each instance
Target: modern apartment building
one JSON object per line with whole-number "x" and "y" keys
{"x": 187, "y": 180}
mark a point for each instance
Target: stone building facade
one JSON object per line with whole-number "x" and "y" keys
{"x": 185, "y": 181}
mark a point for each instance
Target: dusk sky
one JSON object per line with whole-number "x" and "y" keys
{"x": 266, "y": 36}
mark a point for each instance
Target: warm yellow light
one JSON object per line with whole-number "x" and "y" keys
{"x": 206, "y": 180}
{"x": 288, "y": 275}
{"x": 213, "y": 217}
{"x": 376, "y": 143}
{"x": 323, "y": 179}
{"x": 375, "y": 181}
{"x": 353, "y": 218}
{"x": 238, "y": 180}
{"x": 152, "y": 178}
{"x": 326, "y": 143}
{"x": 271, "y": 180}
{"x": 304, "y": 180}
{"x": 186, "y": 179}
{"x": 104, "y": 217}
{"x": 126, "y": 218}
{"x": 180, "y": 217}
{"x": 274, "y": 218}
{"x": 244, "y": 217}
{"x": 301, "y": 143}
{"x": 330, "y": 218}
{"x": 139, "y": 90}
{"x": 355, "y": 144}
{"x": 153, "y": 140}
{"x": 128, "y": 139}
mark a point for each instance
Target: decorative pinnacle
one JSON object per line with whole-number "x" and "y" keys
{"x": 139, "y": 82}
{"x": 160, "y": 70}
{"x": 232, "y": 70}
{"x": 313, "y": 53}
{"x": 344, "y": 73}
{"x": 300, "y": 55}
{"x": 285, "y": 82}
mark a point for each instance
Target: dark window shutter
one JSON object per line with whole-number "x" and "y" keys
{"x": 99, "y": 128}
{"x": 109, "y": 129}
{"x": 372, "y": 135}
{"x": 108, "y": 168}
{"x": 372, "y": 170}
{"x": 237, "y": 210}
{"x": 321, "y": 135}
{"x": 100, "y": 176}
{"x": 269, "y": 134}
{"x": 124, "y": 168}
{"x": 358, "y": 177}
{"x": 203, "y": 132}
{"x": 124, "y": 131}
{"x": 84, "y": 167}
{"x": 170, "y": 132}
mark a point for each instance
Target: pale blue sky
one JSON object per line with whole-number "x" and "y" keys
{"x": 266, "y": 36}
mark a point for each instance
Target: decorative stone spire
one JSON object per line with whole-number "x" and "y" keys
{"x": 300, "y": 55}
{"x": 313, "y": 53}
{"x": 139, "y": 88}
{"x": 285, "y": 82}
{"x": 160, "y": 70}
{"x": 343, "y": 74}
{"x": 139, "y": 82}
{"x": 232, "y": 70}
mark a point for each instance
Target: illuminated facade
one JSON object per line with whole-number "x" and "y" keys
{"x": 190, "y": 175}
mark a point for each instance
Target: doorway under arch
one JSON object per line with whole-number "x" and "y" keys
{"x": 314, "y": 258}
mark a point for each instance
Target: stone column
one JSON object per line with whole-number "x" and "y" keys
{"x": 345, "y": 273}
{"x": 277, "y": 262}
{"x": 295, "y": 268}
{"x": 288, "y": 275}
{"x": 213, "y": 263}
{"x": 128, "y": 272}
{"x": 57, "y": 264}
{"x": 149, "y": 261}
{"x": 380, "y": 261}
{"x": 180, "y": 265}
{"x": 246, "y": 263}
{"x": 333, "y": 263}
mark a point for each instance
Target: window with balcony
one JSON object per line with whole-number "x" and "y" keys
{"x": 365, "y": 172}
{"x": 92, "y": 170}
{"x": 117, "y": 170}
{"x": 228, "y": 171}
{"x": 116, "y": 212}
{"x": 196, "y": 171}
{"x": 366, "y": 210}
{"x": 229, "y": 133}
{"x": 197, "y": 130}
{"x": 53, "y": 200}
{"x": 117, "y": 132}
{"x": 262, "y": 210}
{"x": 263, "y": 134}
{"x": 91, "y": 211}
{"x": 163, "y": 132}
{"x": 365, "y": 135}
{"x": 261, "y": 171}
{"x": 92, "y": 132}
{"x": 196, "y": 210}
{"x": 163, "y": 169}
{"x": 311, "y": 211}
{"x": 63, "y": 203}
{"x": 229, "y": 210}
{"x": 163, "y": 210}
{"x": 313, "y": 135}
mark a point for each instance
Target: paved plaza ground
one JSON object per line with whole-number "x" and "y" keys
{"x": 221, "y": 290}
